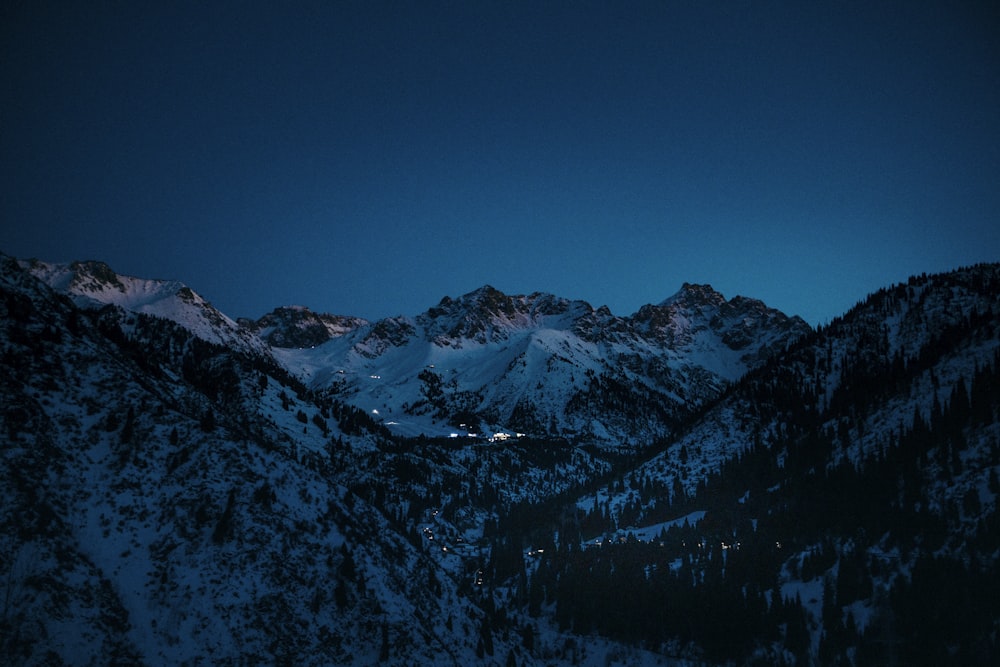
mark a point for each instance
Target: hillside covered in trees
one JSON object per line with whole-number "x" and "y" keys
{"x": 171, "y": 497}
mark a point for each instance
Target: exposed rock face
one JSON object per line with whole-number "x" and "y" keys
{"x": 297, "y": 326}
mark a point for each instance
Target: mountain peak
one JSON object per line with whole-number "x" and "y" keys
{"x": 94, "y": 275}
{"x": 311, "y": 461}
{"x": 490, "y": 299}
{"x": 95, "y": 284}
{"x": 694, "y": 294}
{"x": 698, "y": 317}
{"x": 487, "y": 314}
{"x": 487, "y": 291}
{"x": 298, "y": 326}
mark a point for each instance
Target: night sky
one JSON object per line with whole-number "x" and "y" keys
{"x": 369, "y": 158}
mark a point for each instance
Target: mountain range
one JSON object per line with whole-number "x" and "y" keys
{"x": 478, "y": 483}
{"x": 486, "y": 362}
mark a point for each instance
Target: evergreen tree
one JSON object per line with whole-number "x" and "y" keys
{"x": 224, "y": 528}
{"x": 207, "y": 422}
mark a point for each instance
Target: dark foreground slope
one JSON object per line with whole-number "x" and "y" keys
{"x": 849, "y": 500}
{"x": 166, "y": 500}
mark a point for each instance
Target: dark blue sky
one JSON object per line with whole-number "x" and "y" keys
{"x": 369, "y": 158}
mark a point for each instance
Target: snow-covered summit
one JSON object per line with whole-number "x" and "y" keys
{"x": 536, "y": 363}
{"x": 298, "y": 326}
{"x": 698, "y": 319}
{"x": 487, "y": 314}
{"x": 694, "y": 295}
{"x": 93, "y": 284}
{"x": 166, "y": 501}
{"x": 543, "y": 364}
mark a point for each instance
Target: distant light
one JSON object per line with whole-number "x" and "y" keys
{"x": 374, "y": 412}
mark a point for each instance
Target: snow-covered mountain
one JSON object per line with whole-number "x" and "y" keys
{"x": 165, "y": 500}
{"x": 486, "y": 362}
{"x": 180, "y": 488}
{"x": 94, "y": 284}
{"x": 919, "y": 330}
{"x": 860, "y": 467}
{"x": 544, "y": 365}
{"x": 297, "y": 326}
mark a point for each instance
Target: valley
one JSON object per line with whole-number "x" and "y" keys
{"x": 706, "y": 481}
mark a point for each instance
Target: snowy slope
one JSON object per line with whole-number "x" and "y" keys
{"x": 891, "y": 326}
{"x": 95, "y": 284}
{"x": 171, "y": 493}
{"x": 167, "y": 500}
{"x": 151, "y": 516}
{"x": 540, "y": 364}
{"x": 535, "y": 364}
{"x": 856, "y": 398}
{"x": 297, "y": 326}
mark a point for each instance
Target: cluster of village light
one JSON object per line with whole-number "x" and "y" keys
{"x": 499, "y": 436}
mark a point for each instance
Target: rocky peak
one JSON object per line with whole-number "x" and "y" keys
{"x": 297, "y": 326}
{"x": 697, "y": 311}
{"x": 385, "y": 334}
{"x": 692, "y": 305}
{"x": 692, "y": 295}
{"x": 92, "y": 284}
{"x": 487, "y": 314}
{"x": 94, "y": 276}
{"x": 600, "y": 324}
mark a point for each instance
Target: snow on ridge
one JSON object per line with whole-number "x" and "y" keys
{"x": 94, "y": 283}
{"x": 504, "y": 358}
{"x": 298, "y": 326}
{"x": 694, "y": 294}
{"x": 531, "y": 359}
